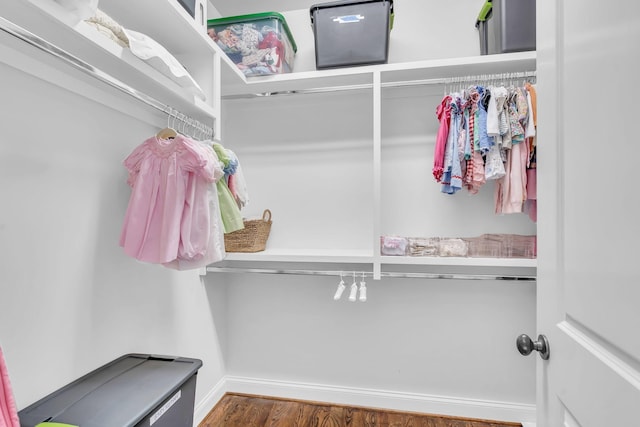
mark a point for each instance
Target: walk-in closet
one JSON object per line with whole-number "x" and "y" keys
{"x": 347, "y": 304}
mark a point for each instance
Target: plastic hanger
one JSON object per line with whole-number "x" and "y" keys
{"x": 340, "y": 290}
{"x": 363, "y": 290}
{"x": 354, "y": 289}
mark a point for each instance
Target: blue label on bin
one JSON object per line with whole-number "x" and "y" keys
{"x": 348, "y": 19}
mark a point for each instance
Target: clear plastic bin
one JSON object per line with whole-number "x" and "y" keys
{"x": 259, "y": 44}
{"x": 502, "y": 246}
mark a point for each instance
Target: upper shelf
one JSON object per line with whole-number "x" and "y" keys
{"x": 180, "y": 34}
{"x": 236, "y": 84}
{"x": 49, "y": 21}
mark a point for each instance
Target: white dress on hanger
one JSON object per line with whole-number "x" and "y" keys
{"x": 208, "y": 219}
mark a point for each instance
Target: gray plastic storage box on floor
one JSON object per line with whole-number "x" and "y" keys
{"x": 354, "y": 32}
{"x": 506, "y": 26}
{"x": 134, "y": 390}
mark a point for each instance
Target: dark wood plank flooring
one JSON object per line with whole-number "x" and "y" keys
{"x": 239, "y": 410}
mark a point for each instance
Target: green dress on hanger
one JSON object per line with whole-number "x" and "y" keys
{"x": 229, "y": 210}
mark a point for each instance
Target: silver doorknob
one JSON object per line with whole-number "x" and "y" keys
{"x": 526, "y": 345}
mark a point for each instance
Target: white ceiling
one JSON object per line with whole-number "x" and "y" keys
{"x": 243, "y": 7}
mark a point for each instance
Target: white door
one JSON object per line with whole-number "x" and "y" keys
{"x": 589, "y": 237}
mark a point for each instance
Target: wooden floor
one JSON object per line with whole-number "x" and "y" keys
{"x": 237, "y": 410}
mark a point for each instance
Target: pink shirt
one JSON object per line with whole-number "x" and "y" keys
{"x": 161, "y": 179}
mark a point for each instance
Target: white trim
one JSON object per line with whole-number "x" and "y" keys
{"x": 371, "y": 398}
{"x": 602, "y": 353}
{"x": 210, "y": 400}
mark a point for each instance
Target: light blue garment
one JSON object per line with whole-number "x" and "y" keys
{"x": 230, "y": 168}
{"x": 485, "y": 141}
{"x": 467, "y": 137}
{"x": 452, "y": 177}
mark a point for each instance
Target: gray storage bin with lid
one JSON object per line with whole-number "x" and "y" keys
{"x": 351, "y": 32}
{"x": 506, "y": 26}
{"x": 134, "y": 390}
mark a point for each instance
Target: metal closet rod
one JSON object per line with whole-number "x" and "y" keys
{"x": 359, "y": 273}
{"x": 40, "y": 43}
{"x": 405, "y": 83}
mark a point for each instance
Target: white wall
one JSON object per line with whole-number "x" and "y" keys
{"x": 70, "y": 300}
{"x": 422, "y": 30}
{"x": 446, "y": 338}
{"x": 308, "y": 159}
{"x": 450, "y": 339}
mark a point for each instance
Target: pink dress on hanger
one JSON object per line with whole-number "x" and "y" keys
{"x": 8, "y": 410}
{"x": 443, "y": 112}
{"x": 159, "y": 176}
{"x": 511, "y": 190}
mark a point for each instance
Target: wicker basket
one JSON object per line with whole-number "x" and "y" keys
{"x": 252, "y": 238}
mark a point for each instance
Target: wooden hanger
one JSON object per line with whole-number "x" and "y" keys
{"x": 169, "y": 132}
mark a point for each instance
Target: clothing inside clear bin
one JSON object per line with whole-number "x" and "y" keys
{"x": 257, "y": 48}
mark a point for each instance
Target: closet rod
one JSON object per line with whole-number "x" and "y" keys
{"x": 463, "y": 79}
{"x": 40, "y": 43}
{"x": 359, "y": 273}
{"x": 404, "y": 83}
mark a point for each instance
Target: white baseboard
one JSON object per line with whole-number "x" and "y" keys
{"x": 205, "y": 406}
{"x": 393, "y": 400}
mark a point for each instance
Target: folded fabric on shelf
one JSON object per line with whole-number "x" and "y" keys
{"x": 107, "y": 26}
{"x": 156, "y": 55}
